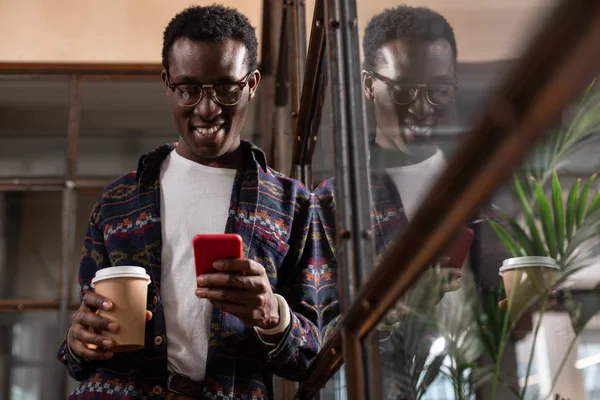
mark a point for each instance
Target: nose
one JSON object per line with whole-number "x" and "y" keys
{"x": 420, "y": 107}
{"x": 207, "y": 109}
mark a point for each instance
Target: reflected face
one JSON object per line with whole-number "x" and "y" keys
{"x": 209, "y": 131}
{"x": 403, "y": 64}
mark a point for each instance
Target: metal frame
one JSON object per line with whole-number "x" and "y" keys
{"x": 296, "y": 12}
{"x": 306, "y": 125}
{"x": 352, "y": 190}
{"x": 559, "y": 61}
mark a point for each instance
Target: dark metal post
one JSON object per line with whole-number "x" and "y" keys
{"x": 282, "y": 97}
{"x": 69, "y": 208}
{"x": 297, "y": 54}
{"x": 352, "y": 192}
{"x": 312, "y": 98}
{"x": 271, "y": 23}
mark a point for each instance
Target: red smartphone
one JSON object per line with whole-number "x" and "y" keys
{"x": 210, "y": 248}
{"x": 459, "y": 248}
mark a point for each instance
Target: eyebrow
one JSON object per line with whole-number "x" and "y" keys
{"x": 191, "y": 79}
{"x": 438, "y": 78}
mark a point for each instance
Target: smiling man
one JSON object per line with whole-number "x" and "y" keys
{"x": 409, "y": 83}
{"x": 222, "y": 335}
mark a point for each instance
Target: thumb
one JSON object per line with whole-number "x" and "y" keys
{"x": 148, "y": 315}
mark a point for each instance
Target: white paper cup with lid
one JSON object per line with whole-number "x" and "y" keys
{"x": 527, "y": 279}
{"x": 127, "y": 288}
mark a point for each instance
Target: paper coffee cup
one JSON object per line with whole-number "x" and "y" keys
{"x": 127, "y": 288}
{"x": 526, "y": 279}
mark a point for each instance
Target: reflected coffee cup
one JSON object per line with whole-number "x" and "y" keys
{"x": 127, "y": 288}
{"x": 526, "y": 280}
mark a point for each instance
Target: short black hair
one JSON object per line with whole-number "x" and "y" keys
{"x": 404, "y": 22}
{"x": 213, "y": 24}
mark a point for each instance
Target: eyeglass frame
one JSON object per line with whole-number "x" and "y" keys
{"x": 242, "y": 83}
{"x": 390, "y": 83}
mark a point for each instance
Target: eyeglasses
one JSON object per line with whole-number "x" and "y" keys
{"x": 437, "y": 94}
{"x": 225, "y": 94}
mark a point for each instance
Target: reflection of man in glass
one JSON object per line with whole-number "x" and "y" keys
{"x": 410, "y": 57}
{"x": 409, "y": 82}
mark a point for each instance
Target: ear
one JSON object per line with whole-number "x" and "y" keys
{"x": 253, "y": 84}
{"x": 367, "y": 84}
{"x": 164, "y": 77}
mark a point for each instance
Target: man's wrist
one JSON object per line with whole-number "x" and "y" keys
{"x": 75, "y": 357}
{"x": 284, "y": 319}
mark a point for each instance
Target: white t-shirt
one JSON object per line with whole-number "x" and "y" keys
{"x": 415, "y": 181}
{"x": 194, "y": 199}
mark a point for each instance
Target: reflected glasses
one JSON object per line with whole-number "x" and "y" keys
{"x": 437, "y": 94}
{"x": 225, "y": 94}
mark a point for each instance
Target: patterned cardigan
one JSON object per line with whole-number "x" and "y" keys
{"x": 276, "y": 218}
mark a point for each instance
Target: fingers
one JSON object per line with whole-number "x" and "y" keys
{"x": 450, "y": 287}
{"x": 503, "y": 305}
{"x": 84, "y": 316}
{"x": 242, "y": 265}
{"x": 254, "y": 284}
{"x": 148, "y": 315}
{"x": 452, "y": 273}
{"x": 89, "y": 345}
{"x": 444, "y": 261}
{"x": 95, "y": 301}
{"x": 87, "y": 353}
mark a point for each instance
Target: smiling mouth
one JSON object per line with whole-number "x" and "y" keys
{"x": 207, "y": 130}
{"x": 419, "y": 129}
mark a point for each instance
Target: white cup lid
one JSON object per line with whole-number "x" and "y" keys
{"x": 529, "y": 261}
{"x": 120, "y": 272}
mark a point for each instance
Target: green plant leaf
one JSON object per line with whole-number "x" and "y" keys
{"x": 582, "y": 307}
{"x": 583, "y": 197}
{"x": 559, "y": 216}
{"x": 431, "y": 373}
{"x": 594, "y": 205}
{"x": 547, "y": 222}
{"x": 538, "y": 245}
{"x": 571, "y": 210}
{"x": 522, "y": 238}
{"x": 506, "y": 239}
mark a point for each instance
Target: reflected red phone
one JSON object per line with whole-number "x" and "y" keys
{"x": 210, "y": 248}
{"x": 459, "y": 248}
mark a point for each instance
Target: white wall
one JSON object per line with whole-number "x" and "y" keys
{"x": 131, "y": 30}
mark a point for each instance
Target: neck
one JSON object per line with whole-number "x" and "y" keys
{"x": 233, "y": 159}
{"x": 393, "y": 157}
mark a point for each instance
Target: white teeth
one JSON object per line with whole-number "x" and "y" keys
{"x": 419, "y": 128}
{"x": 205, "y": 131}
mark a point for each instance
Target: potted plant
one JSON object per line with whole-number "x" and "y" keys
{"x": 557, "y": 238}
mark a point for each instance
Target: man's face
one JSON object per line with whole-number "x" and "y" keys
{"x": 209, "y": 132}
{"x": 410, "y": 63}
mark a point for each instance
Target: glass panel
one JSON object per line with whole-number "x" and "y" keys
{"x": 31, "y": 223}
{"x": 28, "y": 364}
{"x": 451, "y": 336}
{"x": 336, "y": 388}
{"x": 31, "y": 226}
{"x": 33, "y": 111}
{"x": 120, "y": 121}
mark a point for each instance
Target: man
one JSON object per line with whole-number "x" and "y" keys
{"x": 226, "y": 338}
{"x": 409, "y": 82}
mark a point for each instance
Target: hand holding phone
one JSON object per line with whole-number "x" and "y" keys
{"x": 459, "y": 248}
